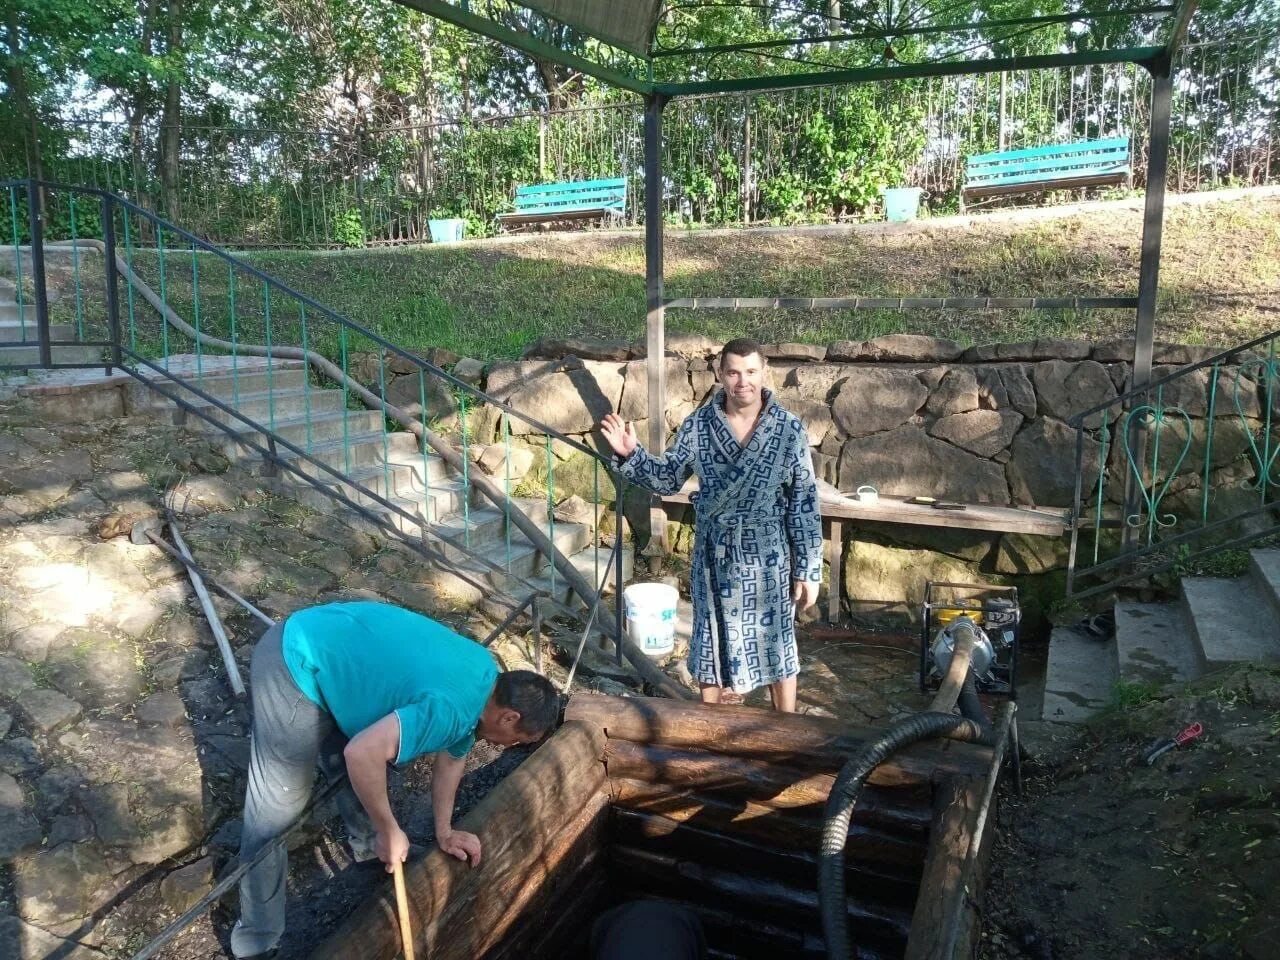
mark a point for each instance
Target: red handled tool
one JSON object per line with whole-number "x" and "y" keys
{"x": 1186, "y": 736}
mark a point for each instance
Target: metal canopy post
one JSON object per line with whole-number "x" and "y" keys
{"x": 1153, "y": 220}
{"x": 1149, "y": 265}
{"x": 655, "y": 317}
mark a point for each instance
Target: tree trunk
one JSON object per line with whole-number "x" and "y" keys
{"x": 22, "y": 100}
{"x": 171, "y": 119}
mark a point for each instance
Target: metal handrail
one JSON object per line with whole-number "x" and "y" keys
{"x": 313, "y": 304}
{"x": 591, "y": 593}
{"x": 1141, "y": 419}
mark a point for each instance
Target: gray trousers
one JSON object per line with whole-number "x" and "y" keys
{"x": 290, "y": 736}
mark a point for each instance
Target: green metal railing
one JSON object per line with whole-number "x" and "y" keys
{"x": 335, "y": 406}
{"x": 1172, "y": 472}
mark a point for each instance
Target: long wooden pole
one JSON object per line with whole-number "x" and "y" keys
{"x": 402, "y": 908}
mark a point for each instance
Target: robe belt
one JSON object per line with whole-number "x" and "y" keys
{"x": 725, "y": 533}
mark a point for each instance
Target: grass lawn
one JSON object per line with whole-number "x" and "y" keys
{"x": 1220, "y": 282}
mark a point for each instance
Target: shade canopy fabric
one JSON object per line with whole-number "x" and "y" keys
{"x": 628, "y": 24}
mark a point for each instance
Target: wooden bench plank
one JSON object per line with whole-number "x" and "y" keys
{"x": 1084, "y": 163}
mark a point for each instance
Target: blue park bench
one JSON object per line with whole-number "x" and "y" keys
{"x": 575, "y": 200}
{"x": 1087, "y": 163}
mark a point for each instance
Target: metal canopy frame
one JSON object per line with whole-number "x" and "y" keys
{"x": 675, "y": 70}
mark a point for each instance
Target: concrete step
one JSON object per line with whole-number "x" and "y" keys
{"x": 10, "y": 312}
{"x": 324, "y": 427}
{"x": 1231, "y": 619}
{"x": 253, "y": 381}
{"x": 1155, "y": 644}
{"x": 28, "y": 355}
{"x": 1081, "y": 677}
{"x": 267, "y": 408}
{"x": 585, "y": 563}
{"x": 1264, "y": 568}
{"x": 11, "y": 331}
{"x": 524, "y": 562}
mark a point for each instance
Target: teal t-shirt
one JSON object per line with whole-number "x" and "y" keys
{"x": 362, "y": 661}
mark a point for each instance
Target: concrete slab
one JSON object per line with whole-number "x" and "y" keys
{"x": 1081, "y": 676}
{"x": 1155, "y": 644}
{"x": 1231, "y": 619}
{"x": 1264, "y": 568}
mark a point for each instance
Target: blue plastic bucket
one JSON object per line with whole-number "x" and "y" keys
{"x": 902, "y": 203}
{"x": 651, "y": 617}
{"x": 447, "y": 231}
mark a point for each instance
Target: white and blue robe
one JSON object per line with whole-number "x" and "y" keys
{"x": 757, "y": 528}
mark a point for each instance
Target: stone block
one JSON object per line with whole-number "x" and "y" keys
{"x": 982, "y": 432}
{"x": 908, "y": 347}
{"x": 816, "y": 383}
{"x": 1042, "y": 464}
{"x": 849, "y": 351}
{"x": 469, "y": 371}
{"x": 635, "y": 391}
{"x": 165, "y": 709}
{"x": 184, "y": 887}
{"x": 588, "y": 348}
{"x": 63, "y": 883}
{"x": 1064, "y": 389}
{"x": 15, "y": 678}
{"x": 880, "y": 574}
{"x": 572, "y": 402}
{"x": 794, "y": 351}
{"x": 47, "y": 711}
{"x": 1020, "y": 553}
{"x": 873, "y": 399}
{"x": 20, "y": 831}
{"x": 956, "y": 392}
{"x": 908, "y": 462}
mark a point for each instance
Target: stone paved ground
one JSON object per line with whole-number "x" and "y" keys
{"x": 122, "y": 749}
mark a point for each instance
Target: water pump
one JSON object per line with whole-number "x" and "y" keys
{"x": 994, "y": 617}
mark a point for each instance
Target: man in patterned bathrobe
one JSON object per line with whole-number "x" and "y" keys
{"x": 757, "y": 552}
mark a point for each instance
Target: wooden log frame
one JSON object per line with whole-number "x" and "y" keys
{"x": 539, "y": 827}
{"x": 689, "y": 784}
{"x": 945, "y": 922}
{"x": 803, "y": 743}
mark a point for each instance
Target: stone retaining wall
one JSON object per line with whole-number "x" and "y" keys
{"x": 908, "y": 414}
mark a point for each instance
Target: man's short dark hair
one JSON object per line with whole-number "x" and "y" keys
{"x": 530, "y": 695}
{"x": 741, "y": 347}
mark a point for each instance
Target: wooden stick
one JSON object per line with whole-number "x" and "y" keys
{"x": 528, "y": 825}
{"x": 794, "y": 740}
{"x": 402, "y": 908}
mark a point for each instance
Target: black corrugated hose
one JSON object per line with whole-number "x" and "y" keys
{"x": 972, "y": 727}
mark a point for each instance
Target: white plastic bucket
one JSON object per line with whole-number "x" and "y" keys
{"x": 651, "y": 617}
{"x": 902, "y": 203}
{"x": 447, "y": 231}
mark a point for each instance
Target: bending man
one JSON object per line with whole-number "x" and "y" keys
{"x": 758, "y": 534}
{"x": 367, "y": 684}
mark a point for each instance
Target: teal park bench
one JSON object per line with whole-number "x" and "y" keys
{"x": 575, "y": 200}
{"x": 1087, "y": 163}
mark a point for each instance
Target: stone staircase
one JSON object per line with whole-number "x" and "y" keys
{"x": 18, "y": 334}
{"x": 1215, "y": 622}
{"x": 390, "y": 464}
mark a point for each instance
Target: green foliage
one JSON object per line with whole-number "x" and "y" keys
{"x": 348, "y": 229}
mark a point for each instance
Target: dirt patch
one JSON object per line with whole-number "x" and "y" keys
{"x": 1109, "y": 858}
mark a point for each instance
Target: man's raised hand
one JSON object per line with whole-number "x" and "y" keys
{"x": 619, "y": 434}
